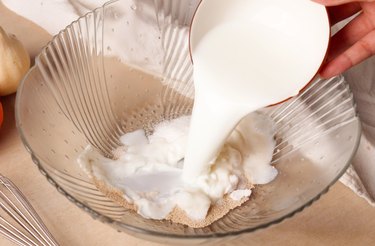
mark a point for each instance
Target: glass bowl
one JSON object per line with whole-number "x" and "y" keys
{"x": 125, "y": 66}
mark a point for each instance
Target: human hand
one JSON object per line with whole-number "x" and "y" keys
{"x": 356, "y": 41}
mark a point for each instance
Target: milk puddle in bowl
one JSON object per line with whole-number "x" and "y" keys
{"x": 194, "y": 170}
{"x": 147, "y": 174}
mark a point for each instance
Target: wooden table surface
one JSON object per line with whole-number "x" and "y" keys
{"x": 338, "y": 218}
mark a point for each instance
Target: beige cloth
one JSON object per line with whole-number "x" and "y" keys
{"x": 361, "y": 175}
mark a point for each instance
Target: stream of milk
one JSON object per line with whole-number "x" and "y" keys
{"x": 240, "y": 65}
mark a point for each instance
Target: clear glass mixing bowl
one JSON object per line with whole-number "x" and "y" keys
{"x": 86, "y": 88}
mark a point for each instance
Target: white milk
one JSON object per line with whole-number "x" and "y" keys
{"x": 148, "y": 170}
{"x": 258, "y": 55}
{"x": 253, "y": 55}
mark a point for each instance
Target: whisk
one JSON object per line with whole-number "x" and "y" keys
{"x": 19, "y": 222}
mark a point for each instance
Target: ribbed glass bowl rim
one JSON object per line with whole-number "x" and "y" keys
{"x": 103, "y": 218}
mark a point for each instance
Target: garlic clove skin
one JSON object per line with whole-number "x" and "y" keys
{"x": 14, "y": 63}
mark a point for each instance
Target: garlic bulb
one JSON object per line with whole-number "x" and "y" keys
{"x": 14, "y": 63}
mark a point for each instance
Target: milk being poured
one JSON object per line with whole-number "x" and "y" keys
{"x": 246, "y": 56}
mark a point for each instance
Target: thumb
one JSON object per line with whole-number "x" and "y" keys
{"x": 338, "y": 2}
